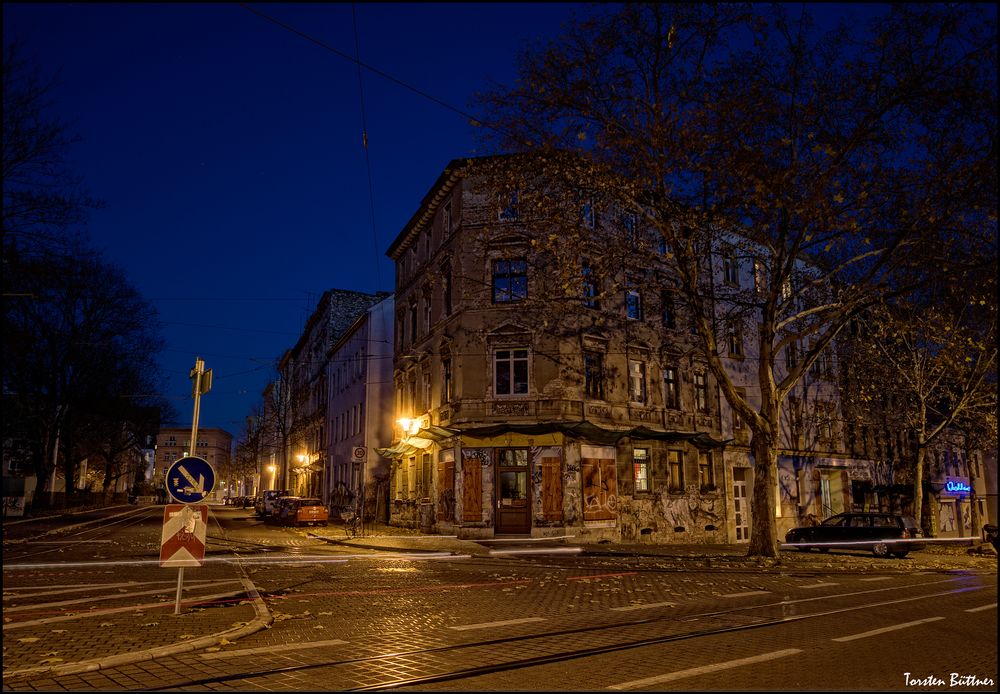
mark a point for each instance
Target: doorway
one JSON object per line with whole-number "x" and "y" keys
{"x": 741, "y": 506}
{"x": 513, "y": 504}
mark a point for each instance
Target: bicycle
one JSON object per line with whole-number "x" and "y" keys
{"x": 352, "y": 523}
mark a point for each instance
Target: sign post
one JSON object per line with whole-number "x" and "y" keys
{"x": 189, "y": 480}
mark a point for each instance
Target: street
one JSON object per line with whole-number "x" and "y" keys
{"x": 350, "y": 618}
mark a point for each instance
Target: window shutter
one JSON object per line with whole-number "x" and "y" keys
{"x": 446, "y": 489}
{"x": 552, "y": 489}
{"x": 600, "y": 489}
{"x": 472, "y": 491}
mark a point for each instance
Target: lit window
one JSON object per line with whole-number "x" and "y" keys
{"x": 675, "y": 467}
{"x": 706, "y": 474}
{"x": 640, "y": 468}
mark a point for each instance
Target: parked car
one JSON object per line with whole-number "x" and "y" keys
{"x": 265, "y": 502}
{"x": 880, "y": 533}
{"x": 297, "y": 510}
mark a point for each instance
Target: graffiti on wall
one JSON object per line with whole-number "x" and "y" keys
{"x": 538, "y": 492}
{"x": 693, "y": 511}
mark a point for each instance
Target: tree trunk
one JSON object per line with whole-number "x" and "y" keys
{"x": 918, "y": 483}
{"x": 763, "y": 532}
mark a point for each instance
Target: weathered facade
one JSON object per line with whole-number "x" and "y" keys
{"x": 520, "y": 415}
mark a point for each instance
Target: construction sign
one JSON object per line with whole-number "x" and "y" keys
{"x": 182, "y": 542}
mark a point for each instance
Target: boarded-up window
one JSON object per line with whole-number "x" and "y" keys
{"x": 552, "y": 489}
{"x": 600, "y": 487}
{"x": 446, "y": 486}
{"x": 472, "y": 489}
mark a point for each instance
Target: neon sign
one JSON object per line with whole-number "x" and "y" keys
{"x": 957, "y": 486}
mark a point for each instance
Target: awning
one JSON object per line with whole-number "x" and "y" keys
{"x": 412, "y": 446}
{"x": 580, "y": 430}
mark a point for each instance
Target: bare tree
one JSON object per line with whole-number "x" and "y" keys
{"x": 43, "y": 200}
{"x": 836, "y": 163}
{"x": 933, "y": 367}
{"x": 79, "y": 361}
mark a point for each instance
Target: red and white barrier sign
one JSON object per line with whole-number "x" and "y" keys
{"x": 182, "y": 542}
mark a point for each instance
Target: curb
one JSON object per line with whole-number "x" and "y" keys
{"x": 263, "y": 620}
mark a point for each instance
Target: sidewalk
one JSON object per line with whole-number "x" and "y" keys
{"x": 135, "y": 636}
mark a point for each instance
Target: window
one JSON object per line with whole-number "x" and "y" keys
{"x": 792, "y": 354}
{"x": 446, "y": 220}
{"x": 589, "y": 213}
{"x": 509, "y": 206}
{"x": 637, "y": 381}
{"x": 731, "y": 269}
{"x": 446, "y": 384}
{"x": 786, "y": 289}
{"x": 667, "y": 311}
{"x": 640, "y": 468}
{"x": 593, "y": 368}
{"x": 759, "y": 276}
{"x": 426, "y": 468}
{"x": 736, "y": 341}
{"x": 425, "y": 389}
{"x": 700, "y": 392}
{"x": 446, "y": 289}
{"x": 630, "y": 224}
{"x": 590, "y": 287}
{"x": 671, "y": 388}
{"x": 675, "y": 468}
{"x": 413, "y": 322}
{"x": 510, "y": 372}
{"x": 737, "y": 420}
{"x": 633, "y": 304}
{"x": 706, "y": 473}
{"x": 510, "y": 280}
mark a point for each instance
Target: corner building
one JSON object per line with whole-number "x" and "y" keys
{"x": 541, "y": 389}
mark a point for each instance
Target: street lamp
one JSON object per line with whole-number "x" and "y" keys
{"x": 272, "y": 469}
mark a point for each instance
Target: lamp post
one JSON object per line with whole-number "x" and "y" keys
{"x": 273, "y": 470}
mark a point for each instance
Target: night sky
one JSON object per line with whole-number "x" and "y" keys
{"x": 229, "y": 153}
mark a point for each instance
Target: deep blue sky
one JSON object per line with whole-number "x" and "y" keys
{"x": 229, "y": 153}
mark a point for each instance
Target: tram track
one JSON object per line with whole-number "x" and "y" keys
{"x": 562, "y": 644}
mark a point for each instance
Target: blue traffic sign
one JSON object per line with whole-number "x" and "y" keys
{"x": 190, "y": 480}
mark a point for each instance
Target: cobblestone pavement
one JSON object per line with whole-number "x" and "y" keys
{"x": 228, "y": 601}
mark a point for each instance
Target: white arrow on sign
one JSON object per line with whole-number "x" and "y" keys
{"x": 199, "y": 486}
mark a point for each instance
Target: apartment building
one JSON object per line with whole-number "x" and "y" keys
{"x": 297, "y": 404}
{"x": 214, "y": 445}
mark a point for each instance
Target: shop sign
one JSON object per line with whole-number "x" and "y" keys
{"x": 957, "y": 486}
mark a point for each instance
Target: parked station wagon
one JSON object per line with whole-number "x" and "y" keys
{"x": 880, "y": 533}
{"x": 296, "y": 510}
